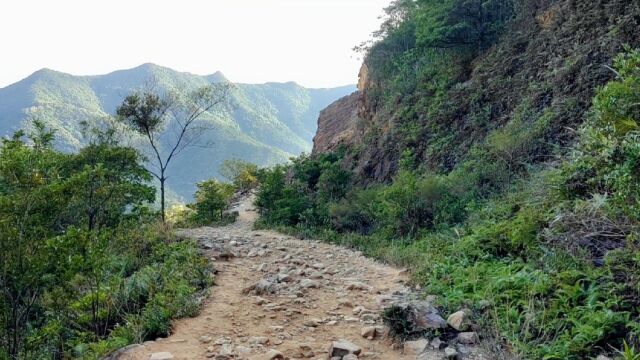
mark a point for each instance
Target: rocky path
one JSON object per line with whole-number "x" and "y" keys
{"x": 277, "y": 297}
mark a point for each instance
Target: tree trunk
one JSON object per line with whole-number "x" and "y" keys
{"x": 162, "y": 205}
{"x": 92, "y": 220}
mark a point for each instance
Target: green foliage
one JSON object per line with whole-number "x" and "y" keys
{"x": 280, "y": 203}
{"x": 83, "y": 271}
{"x": 545, "y": 254}
{"x": 212, "y": 199}
{"x": 264, "y": 124}
{"x": 175, "y": 117}
{"x": 301, "y": 192}
{"x": 629, "y": 352}
{"x": 144, "y": 112}
{"x": 242, "y": 174}
{"x": 462, "y": 23}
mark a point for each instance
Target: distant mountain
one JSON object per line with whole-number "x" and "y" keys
{"x": 264, "y": 124}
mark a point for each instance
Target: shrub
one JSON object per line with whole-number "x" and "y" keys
{"x": 242, "y": 174}
{"x": 212, "y": 199}
{"x": 415, "y": 202}
{"x": 358, "y": 212}
{"x": 84, "y": 265}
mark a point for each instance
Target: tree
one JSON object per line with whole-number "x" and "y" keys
{"x": 243, "y": 174}
{"x": 473, "y": 24}
{"x": 174, "y": 115}
{"x": 103, "y": 179}
{"x": 212, "y": 198}
{"x": 28, "y": 212}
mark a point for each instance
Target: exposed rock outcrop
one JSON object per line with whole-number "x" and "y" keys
{"x": 549, "y": 62}
{"x": 338, "y": 125}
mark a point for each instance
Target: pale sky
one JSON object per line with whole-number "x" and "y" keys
{"x": 250, "y": 41}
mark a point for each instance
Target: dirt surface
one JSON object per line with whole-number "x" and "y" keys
{"x": 276, "y": 292}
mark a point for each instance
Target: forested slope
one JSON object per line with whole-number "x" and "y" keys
{"x": 264, "y": 124}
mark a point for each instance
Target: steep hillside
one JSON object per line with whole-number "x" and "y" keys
{"x": 436, "y": 105}
{"x": 264, "y": 124}
{"x": 493, "y": 150}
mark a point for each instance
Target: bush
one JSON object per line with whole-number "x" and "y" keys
{"x": 358, "y": 212}
{"x": 85, "y": 268}
{"x": 301, "y": 192}
{"x": 242, "y": 174}
{"x": 544, "y": 253}
{"x": 212, "y": 199}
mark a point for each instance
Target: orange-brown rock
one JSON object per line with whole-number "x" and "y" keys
{"x": 338, "y": 124}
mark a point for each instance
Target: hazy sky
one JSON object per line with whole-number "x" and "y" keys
{"x": 307, "y": 41}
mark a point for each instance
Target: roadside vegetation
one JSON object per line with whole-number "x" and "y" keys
{"x": 538, "y": 241}
{"x": 86, "y": 266}
{"x": 213, "y": 198}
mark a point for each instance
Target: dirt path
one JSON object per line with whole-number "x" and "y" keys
{"x": 306, "y": 295}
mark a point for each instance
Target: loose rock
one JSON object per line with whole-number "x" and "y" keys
{"x": 459, "y": 320}
{"x": 161, "y": 356}
{"x": 451, "y": 353}
{"x": 274, "y": 354}
{"x": 415, "y": 347}
{"x": 468, "y": 338}
{"x": 344, "y": 347}
{"x": 368, "y": 332}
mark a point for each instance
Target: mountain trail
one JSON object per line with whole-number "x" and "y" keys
{"x": 278, "y": 297}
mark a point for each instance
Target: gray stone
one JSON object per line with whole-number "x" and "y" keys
{"x": 243, "y": 350}
{"x": 603, "y": 357}
{"x": 368, "y": 318}
{"x": 430, "y": 321}
{"x": 430, "y": 355}
{"x": 382, "y": 332}
{"x": 226, "y": 350}
{"x": 262, "y": 287}
{"x": 344, "y": 347}
{"x": 415, "y": 347}
{"x": 459, "y": 320}
{"x": 468, "y": 338}
{"x": 368, "y": 332}
{"x": 259, "y": 340}
{"x": 273, "y": 355}
{"x": 451, "y": 353}
{"x": 205, "y": 339}
{"x": 161, "y": 356}
{"x": 358, "y": 286}
{"x": 306, "y": 351}
{"x": 438, "y": 344}
{"x": 308, "y": 284}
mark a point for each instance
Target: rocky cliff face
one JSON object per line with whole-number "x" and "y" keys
{"x": 338, "y": 124}
{"x": 343, "y": 122}
{"x": 548, "y": 63}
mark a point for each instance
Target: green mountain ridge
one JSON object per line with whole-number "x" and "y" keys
{"x": 262, "y": 123}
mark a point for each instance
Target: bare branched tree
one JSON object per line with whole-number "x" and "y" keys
{"x": 174, "y": 117}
